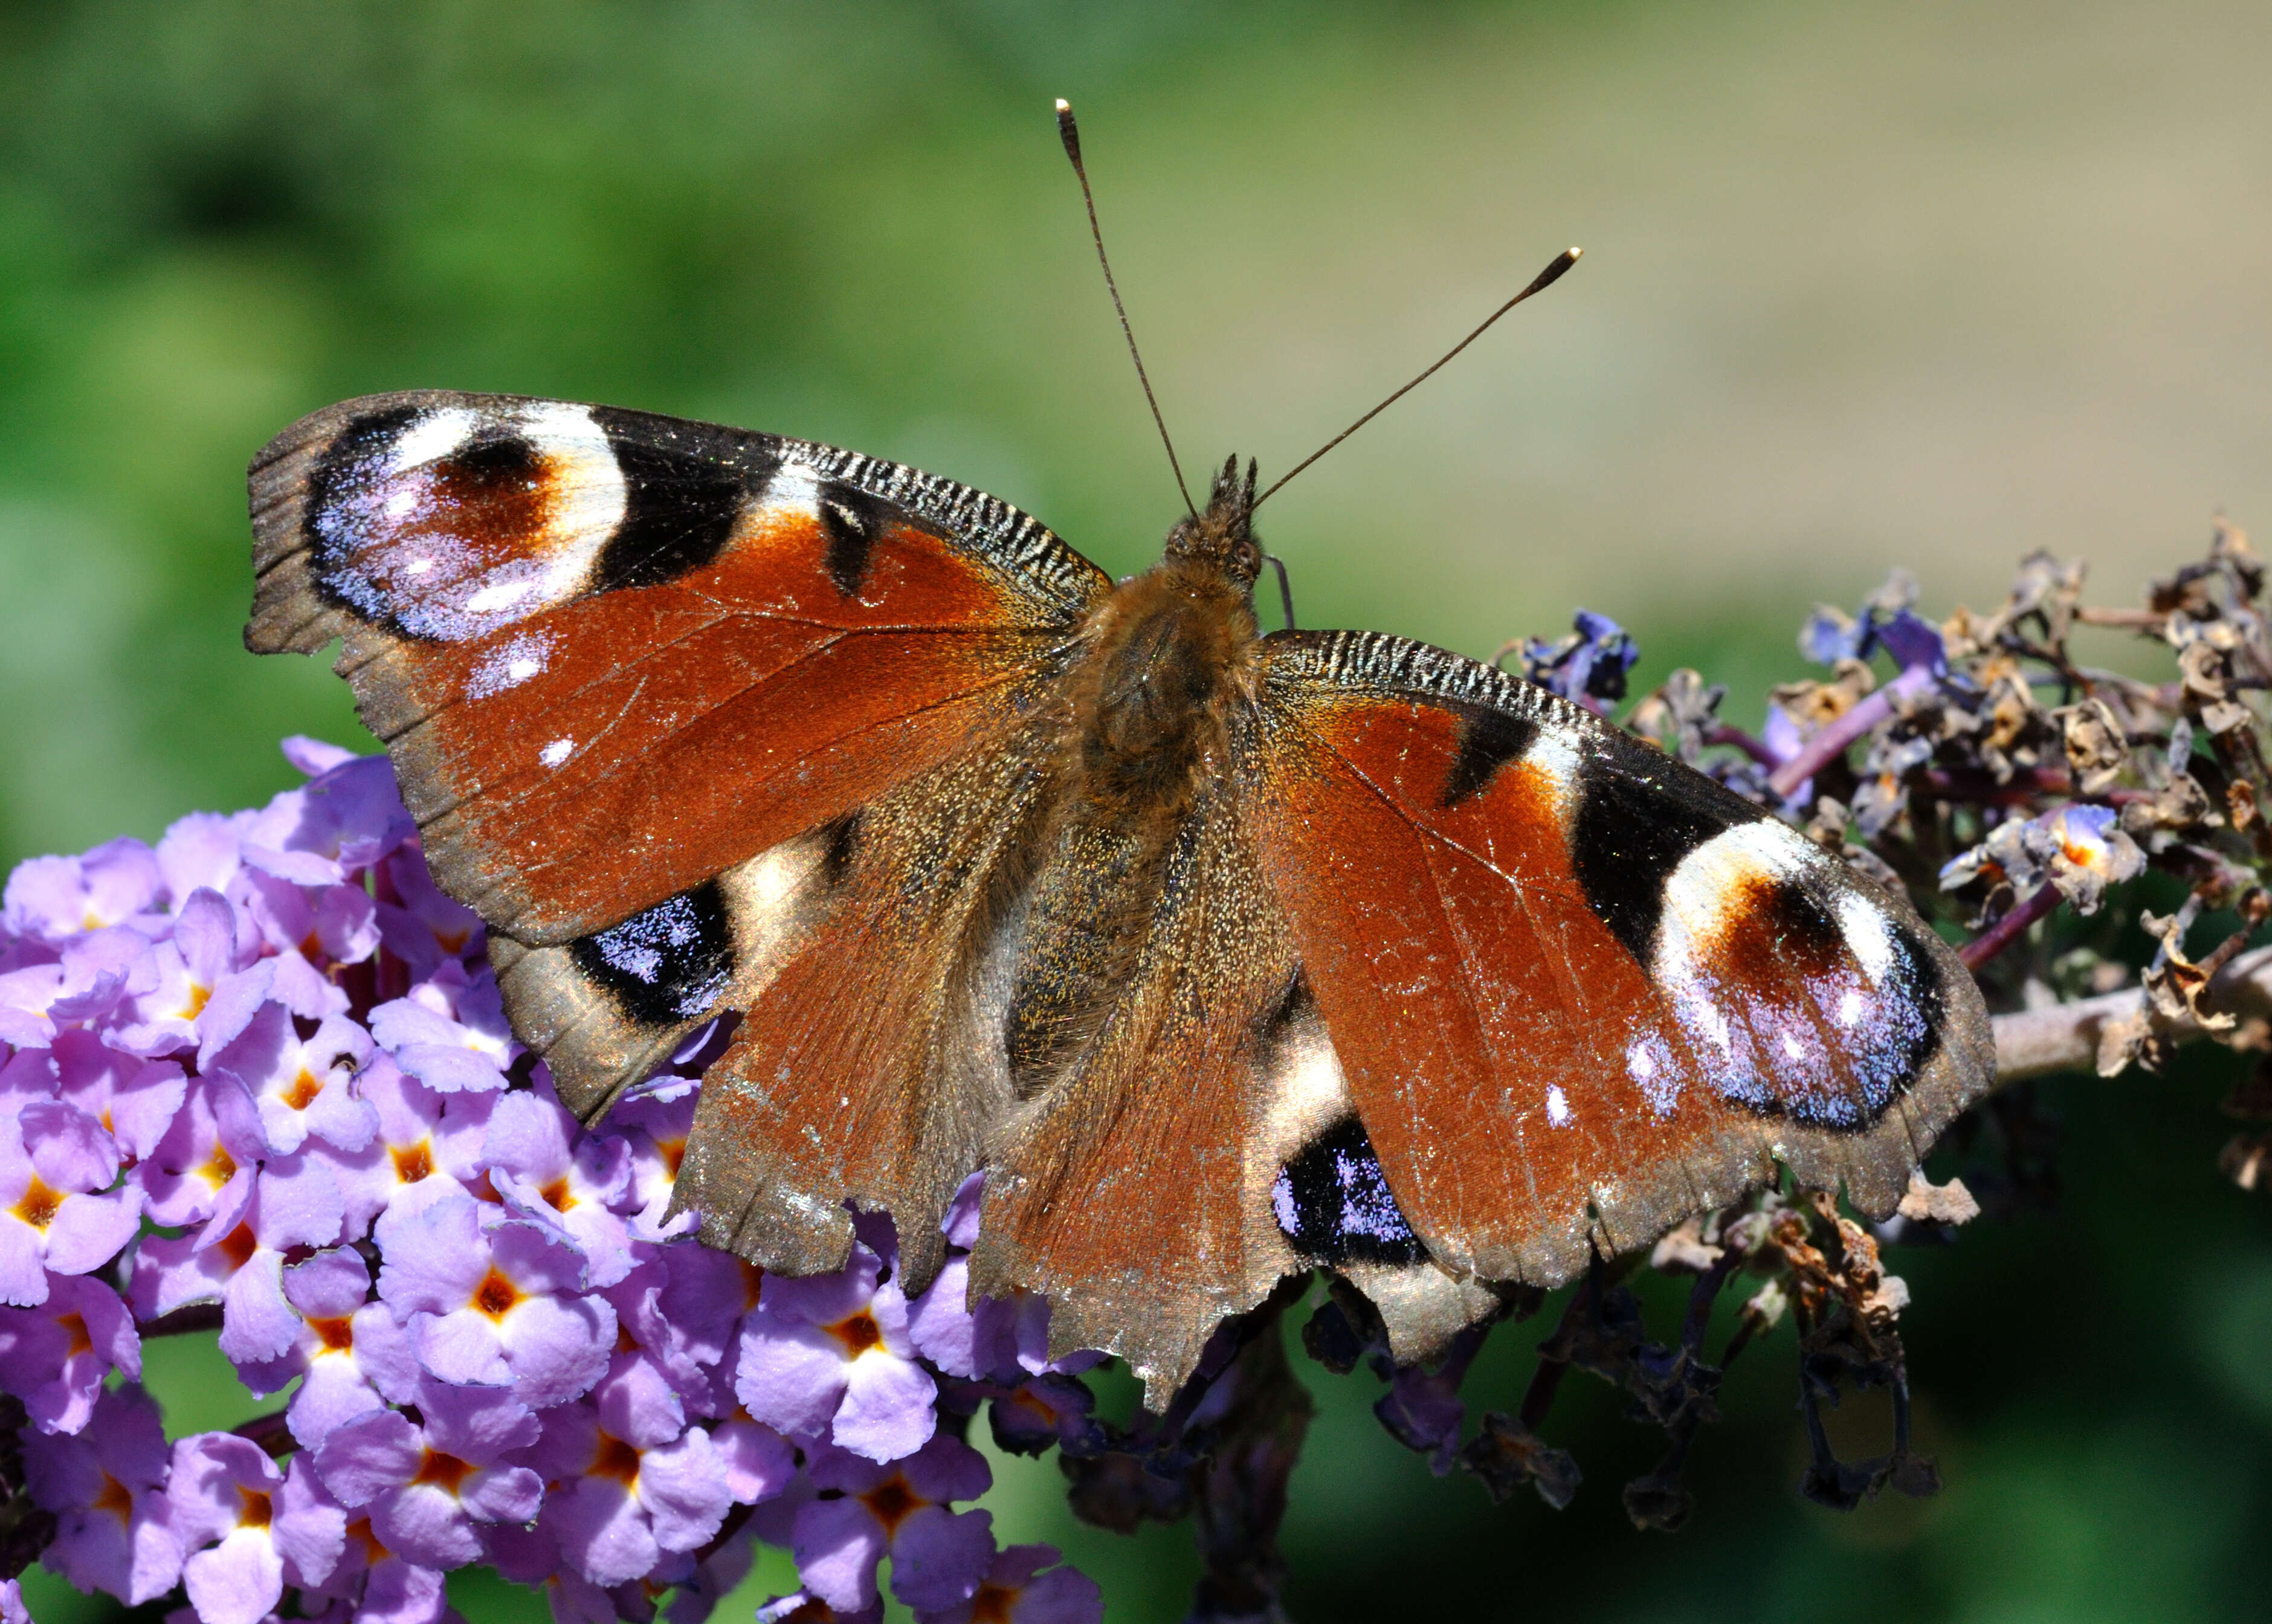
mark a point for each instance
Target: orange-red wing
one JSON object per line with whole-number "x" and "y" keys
{"x": 1578, "y": 990}
{"x": 613, "y": 654}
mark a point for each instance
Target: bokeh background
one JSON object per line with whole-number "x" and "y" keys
{"x": 1926, "y": 286}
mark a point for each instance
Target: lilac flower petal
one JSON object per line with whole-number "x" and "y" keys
{"x": 559, "y": 1347}
{"x": 758, "y": 1460}
{"x": 789, "y": 1374}
{"x": 939, "y": 1557}
{"x": 308, "y": 1529}
{"x": 888, "y": 1409}
{"x": 198, "y": 851}
{"x": 257, "y": 1323}
{"x": 825, "y": 1299}
{"x": 329, "y": 1284}
{"x": 239, "y": 1581}
{"x": 682, "y": 1487}
{"x": 366, "y": 1458}
{"x": 939, "y": 1322}
{"x": 947, "y": 1469}
{"x": 464, "y": 1347}
{"x": 838, "y": 1544}
{"x": 300, "y": 1200}
{"x": 503, "y": 1494}
{"x": 23, "y": 1270}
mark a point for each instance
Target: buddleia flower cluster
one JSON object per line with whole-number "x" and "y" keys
{"x": 257, "y": 1083}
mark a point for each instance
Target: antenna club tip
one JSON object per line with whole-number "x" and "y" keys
{"x": 1064, "y": 106}
{"x": 1574, "y": 251}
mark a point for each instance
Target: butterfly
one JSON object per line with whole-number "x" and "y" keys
{"x": 1224, "y": 956}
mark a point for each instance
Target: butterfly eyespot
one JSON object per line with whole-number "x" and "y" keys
{"x": 668, "y": 964}
{"x": 1333, "y": 1203}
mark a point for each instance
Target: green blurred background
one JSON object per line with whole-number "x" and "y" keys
{"x": 1929, "y": 284}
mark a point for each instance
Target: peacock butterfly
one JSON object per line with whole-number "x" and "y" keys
{"x": 1223, "y": 955}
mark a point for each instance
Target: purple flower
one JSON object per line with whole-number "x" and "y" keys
{"x": 134, "y": 1099}
{"x": 900, "y": 1511}
{"x": 449, "y": 1032}
{"x": 547, "y": 1168}
{"x": 55, "y": 1357}
{"x": 625, "y": 1485}
{"x": 238, "y": 1257}
{"x": 347, "y": 816}
{"x": 493, "y": 1304}
{"x": 188, "y": 966}
{"x": 830, "y": 1357}
{"x": 251, "y": 1528}
{"x": 1016, "y": 1590}
{"x": 655, "y": 1125}
{"x": 384, "y": 1587}
{"x": 424, "y": 1485}
{"x": 207, "y": 1159}
{"x": 1050, "y": 1410}
{"x": 1587, "y": 667}
{"x": 531, "y": 1556}
{"x": 805, "y": 1607}
{"x": 347, "y": 1353}
{"x": 301, "y": 1085}
{"x": 50, "y": 898}
{"x": 549, "y": 1375}
{"x": 203, "y": 849}
{"x": 57, "y": 1212}
{"x": 420, "y": 926}
{"x": 426, "y": 1144}
{"x": 107, "y": 1487}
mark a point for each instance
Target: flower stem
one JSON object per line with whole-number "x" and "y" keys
{"x": 2010, "y": 928}
{"x": 1830, "y": 740}
{"x": 182, "y": 1322}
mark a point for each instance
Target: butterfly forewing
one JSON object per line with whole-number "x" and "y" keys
{"x": 618, "y": 657}
{"x": 1579, "y": 991}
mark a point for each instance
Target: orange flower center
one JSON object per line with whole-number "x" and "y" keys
{"x": 556, "y": 1193}
{"x": 359, "y": 1533}
{"x": 336, "y": 1335}
{"x": 615, "y": 1459}
{"x": 304, "y": 1091}
{"x": 39, "y": 1205}
{"x": 992, "y": 1605}
{"x": 115, "y": 1499}
{"x": 892, "y": 1502}
{"x": 75, "y": 1326}
{"x": 858, "y": 1334}
{"x": 255, "y": 1511}
{"x": 238, "y": 1248}
{"x": 194, "y": 1005}
{"x": 413, "y": 1162}
{"x": 495, "y": 1295}
{"x": 442, "y": 1471}
{"x": 220, "y": 1167}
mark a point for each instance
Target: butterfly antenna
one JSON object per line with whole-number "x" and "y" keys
{"x": 1544, "y": 280}
{"x": 1069, "y": 133}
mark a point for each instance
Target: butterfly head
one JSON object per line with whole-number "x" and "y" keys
{"x": 1223, "y": 538}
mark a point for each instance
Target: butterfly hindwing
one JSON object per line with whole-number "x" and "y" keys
{"x": 1579, "y": 991}
{"x": 1132, "y": 1182}
{"x": 618, "y": 660}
